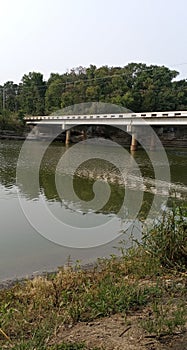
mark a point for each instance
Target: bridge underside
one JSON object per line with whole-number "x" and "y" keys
{"x": 139, "y": 126}
{"x": 124, "y": 134}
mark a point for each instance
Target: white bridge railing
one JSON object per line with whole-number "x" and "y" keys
{"x": 173, "y": 114}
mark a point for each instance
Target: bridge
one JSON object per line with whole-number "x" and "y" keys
{"x": 129, "y": 120}
{"x": 151, "y": 118}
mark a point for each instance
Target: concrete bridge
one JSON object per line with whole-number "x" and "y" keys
{"x": 130, "y": 122}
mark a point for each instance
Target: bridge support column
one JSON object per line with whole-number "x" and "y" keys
{"x": 84, "y": 134}
{"x": 152, "y": 142}
{"x": 68, "y": 134}
{"x": 134, "y": 144}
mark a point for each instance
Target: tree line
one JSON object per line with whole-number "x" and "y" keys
{"x": 136, "y": 86}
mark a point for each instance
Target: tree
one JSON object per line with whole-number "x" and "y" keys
{"x": 11, "y": 96}
{"x": 32, "y": 94}
{"x": 136, "y": 86}
{"x": 53, "y": 95}
{"x": 92, "y": 93}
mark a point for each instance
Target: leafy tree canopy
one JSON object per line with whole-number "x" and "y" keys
{"x": 136, "y": 86}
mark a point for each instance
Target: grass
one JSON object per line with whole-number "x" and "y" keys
{"x": 32, "y": 312}
{"x": 167, "y": 240}
{"x": 166, "y": 318}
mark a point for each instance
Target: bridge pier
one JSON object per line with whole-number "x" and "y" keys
{"x": 68, "y": 134}
{"x": 84, "y": 135}
{"x": 152, "y": 142}
{"x": 134, "y": 144}
{"x": 161, "y": 121}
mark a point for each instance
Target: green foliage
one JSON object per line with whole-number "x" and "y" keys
{"x": 11, "y": 102}
{"x": 167, "y": 240}
{"x": 11, "y": 121}
{"x": 136, "y": 86}
{"x": 32, "y": 94}
{"x": 53, "y": 96}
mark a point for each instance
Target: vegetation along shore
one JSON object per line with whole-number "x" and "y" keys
{"x": 137, "y": 299}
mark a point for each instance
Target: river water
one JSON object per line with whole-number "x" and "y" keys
{"x": 38, "y": 204}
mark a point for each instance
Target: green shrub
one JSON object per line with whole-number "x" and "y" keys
{"x": 167, "y": 240}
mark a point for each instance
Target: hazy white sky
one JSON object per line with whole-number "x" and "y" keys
{"x": 56, "y": 35}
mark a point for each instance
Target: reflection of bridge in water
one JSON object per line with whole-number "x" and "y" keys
{"x": 133, "y": 123}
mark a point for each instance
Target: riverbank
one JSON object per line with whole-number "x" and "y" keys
{"x": 13, "y": 134}
{"x": 119, "y": 304}
{"x": 137, "y": 300}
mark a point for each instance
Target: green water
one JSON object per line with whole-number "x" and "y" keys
{"x": 23, "y": 251}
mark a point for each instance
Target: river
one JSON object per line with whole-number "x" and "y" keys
{"x": 31, "y": 213}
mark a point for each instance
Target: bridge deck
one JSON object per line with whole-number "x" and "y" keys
{"x": 150, "y": 118}
{"x": 175, "y": 114}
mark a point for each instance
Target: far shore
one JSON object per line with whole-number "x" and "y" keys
{"x": 22, "y": 135}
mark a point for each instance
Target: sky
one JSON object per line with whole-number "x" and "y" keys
{"x": 57, "y": 35}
